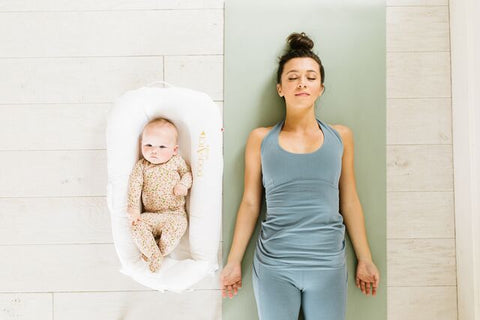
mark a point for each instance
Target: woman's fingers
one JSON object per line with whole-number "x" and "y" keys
{"x": 230, "y": 290}
{"x": 224, "y": 291}
{"x": 375, "y": 284}
{"x": 368, "y": 287}
{"x": 362, "y": 285}
{"x": 229, "y": 282}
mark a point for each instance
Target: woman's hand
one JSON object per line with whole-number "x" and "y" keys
{"x": 367, "y": 274}
{"x": 231, "y": 279}
{"x": 180, "y": 190}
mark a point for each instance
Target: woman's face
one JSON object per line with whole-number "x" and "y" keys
{"x": 300, "y": 82}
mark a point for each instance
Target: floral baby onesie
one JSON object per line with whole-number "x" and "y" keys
{"x": 164, "y": 214}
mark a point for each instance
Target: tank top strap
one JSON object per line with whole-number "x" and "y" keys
{"x": 269, "y": 140}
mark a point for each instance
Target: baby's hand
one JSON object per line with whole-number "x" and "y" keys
{"x": 134, "y": 216}
{"x": 180, "y": 190}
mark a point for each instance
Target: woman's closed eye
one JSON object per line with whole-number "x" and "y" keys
{"x": 307, "y": 78}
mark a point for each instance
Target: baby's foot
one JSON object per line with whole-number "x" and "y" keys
{"x": 155, "y": 262}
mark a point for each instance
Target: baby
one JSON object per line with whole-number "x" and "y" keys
{"x": 160, "y": 181}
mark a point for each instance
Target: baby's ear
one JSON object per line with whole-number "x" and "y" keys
{"x": 175, "y": 150}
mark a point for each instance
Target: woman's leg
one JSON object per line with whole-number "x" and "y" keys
{"x": 276, "y": 293}
{"x": 324, "y": 294}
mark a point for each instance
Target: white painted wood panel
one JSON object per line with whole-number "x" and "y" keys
{"x": 71, "y": 173}
{"x": 419, "y": 121}
{"x": 419, "y": 168}
{"x": 106, "y": 5}
{"x": 58, "y": 126}
{"x": 111, "y": 33}
{"x": 198, "y": 305}
{"x": 50, "y": 268}
{"x": 421, "y": 262}
{"x": 29, "y": 221}
{"x": 26, "y": 306}
{"x": 53, "y": 126}
{"x": 420, "y": 215}
{"x": 422, "y": 303}
{"x": 464, "y": 15}
{"x": 418, "y": 29}
{"x": 99, "y": 80}
{"x": 74, "y": 80}
{"x": 418, "y": 75}
{"x": 54, "y": 221}
{"x": 420, "y": 219}
{"x": 412, "y": 3}
{"x": 69, "y": 268}
{"x": 203, "y": 73}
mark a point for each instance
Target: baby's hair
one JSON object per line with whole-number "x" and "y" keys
{"x": 160, "y": 122}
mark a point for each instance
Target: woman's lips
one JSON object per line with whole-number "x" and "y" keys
{"x": 302, "y": 94}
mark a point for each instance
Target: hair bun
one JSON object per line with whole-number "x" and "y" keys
{"x": 299, "y": 41}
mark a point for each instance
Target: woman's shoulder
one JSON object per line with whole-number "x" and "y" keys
{"x": 343, "y": 131}
{"x": 257, "y": 135}
{"x": 261, "y": 132}
{"x": 341, "y": 128}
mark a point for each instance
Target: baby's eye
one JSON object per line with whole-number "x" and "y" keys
{"x": 148, "y": 145}
{"x": 162, "y": 147}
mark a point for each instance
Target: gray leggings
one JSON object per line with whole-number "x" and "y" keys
{"x": 279, "y": 294}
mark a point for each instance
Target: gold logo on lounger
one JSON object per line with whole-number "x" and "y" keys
{"x": 202, "y": 152}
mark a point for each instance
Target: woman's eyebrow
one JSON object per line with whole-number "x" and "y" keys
{"x": 297, "y": 71}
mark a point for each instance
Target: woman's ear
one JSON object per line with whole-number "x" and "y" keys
{"x": 279, "y": 90}
{"x": 323, "y": 90}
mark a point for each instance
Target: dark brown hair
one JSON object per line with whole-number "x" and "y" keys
{"x": 300, "y": 45}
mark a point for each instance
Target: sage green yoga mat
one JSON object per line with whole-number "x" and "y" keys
{"x": 349, "y": 38}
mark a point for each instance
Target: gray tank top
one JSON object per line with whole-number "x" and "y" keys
{"x": 303, "y": 228}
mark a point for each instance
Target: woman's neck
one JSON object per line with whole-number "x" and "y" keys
{"x": 301, "y": 122}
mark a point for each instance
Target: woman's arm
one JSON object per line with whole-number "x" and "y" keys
{"x": 367, "y": 274}
{"x": 249, "y": 209}
{"x": 350, "y": 206}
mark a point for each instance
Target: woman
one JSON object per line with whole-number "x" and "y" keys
{"x": 306, "y": 167}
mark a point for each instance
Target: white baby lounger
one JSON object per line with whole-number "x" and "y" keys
{"x": 199, "y": 124}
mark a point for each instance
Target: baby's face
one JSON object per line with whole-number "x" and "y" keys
{"x": 158, "y": 144}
